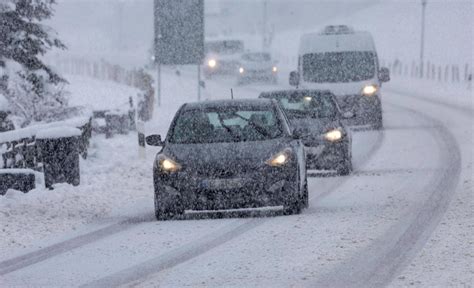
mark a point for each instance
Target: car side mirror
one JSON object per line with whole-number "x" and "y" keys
{"x": 294, "y": 78}
{"x": 154, "y": 140}
{"x": 299, "y": 133}
{"x": 384, "y": 74}
{"x": 348, "y": 115}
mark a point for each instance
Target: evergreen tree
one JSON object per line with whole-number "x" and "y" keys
{"x": 29, "y": 84}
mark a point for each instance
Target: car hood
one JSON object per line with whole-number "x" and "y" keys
{"x": 224, "y": 159}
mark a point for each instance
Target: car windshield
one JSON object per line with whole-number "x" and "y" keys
{"x": 307, "y": 105}
{"x": 225, "y": 47}
{"x": 256, "y": 57}
{"x": 225, "y": 125}
{"x": 335, "y": 67}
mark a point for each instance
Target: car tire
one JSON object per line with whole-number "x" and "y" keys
{"x": 293, "y": 205}
{"x": 378, "y": 125}
{"x": 345, "y": 168}
{"x": 165, "y": 212}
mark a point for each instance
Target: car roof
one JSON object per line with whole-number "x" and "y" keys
{"x": 294, "y": 92}
{"x": 256, "y": 103}
{"x": 320, "y": 43}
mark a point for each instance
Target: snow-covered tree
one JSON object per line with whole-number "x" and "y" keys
{"x": 31, "y": 86}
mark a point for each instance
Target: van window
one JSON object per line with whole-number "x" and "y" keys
{"x": 225, "y": 47}
{"x": 332, "y": 67}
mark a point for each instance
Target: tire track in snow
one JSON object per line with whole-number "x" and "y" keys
{"x": 34, "y": 257}
{"x": 175, "y": 257}
{"x": 377, "y": 264}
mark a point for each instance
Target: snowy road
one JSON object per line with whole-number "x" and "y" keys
{"x": 360, "y": 230}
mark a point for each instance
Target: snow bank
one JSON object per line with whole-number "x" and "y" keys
{"x": 17, "y": 171}
{"x": 33, "y": 130}
{"x": 115, "y": 184}
{"x": 58, "y": 132}
{"x": 100, "y": 95}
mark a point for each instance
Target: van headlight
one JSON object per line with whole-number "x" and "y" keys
{"x": 241, "y": 70}
{"x": 212, "y": 63}
{"x": 167, "y": 164}
{"x": 369, "y": 90}
{"x": 280, "y": 158}
{"x": 333, "y": 135}
{"x": 274, "y": 69}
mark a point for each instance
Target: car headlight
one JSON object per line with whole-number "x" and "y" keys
{"x": 274, "y": 69}
{"x": 369, "y": 90}
{"x": 212, "y": 63}
{"x": 241, "y": 70}
{"x": 333, "y": 135}
{"x": 280, "y": 158}
{"x": 167, "y": 164}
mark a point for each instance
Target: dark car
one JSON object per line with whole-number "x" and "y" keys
{"x": 316, "y": 117}
{"x": 229, "y": 154}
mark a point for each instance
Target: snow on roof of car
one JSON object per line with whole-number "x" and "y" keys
{"x": 286, "y": 93}
{"x": 320, "y": 42}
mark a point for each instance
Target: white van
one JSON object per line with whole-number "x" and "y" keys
{"x": 344, "y": 61}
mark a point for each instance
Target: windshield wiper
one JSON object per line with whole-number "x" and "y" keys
{"x": 262, "y": 131}
{"x": 227, "y": 128}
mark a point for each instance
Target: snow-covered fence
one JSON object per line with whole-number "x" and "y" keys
{"x": 103, "y": 70}
{"x": 452, "y": 73}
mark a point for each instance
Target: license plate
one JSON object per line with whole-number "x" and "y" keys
{"x": 219, "y": 184}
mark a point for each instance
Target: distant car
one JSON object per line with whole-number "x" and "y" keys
{"x": 257, "y": 66}
{"x": 222, "y": 57}
{"x": 229, "y": 154}
{"x": 316, "y": 117}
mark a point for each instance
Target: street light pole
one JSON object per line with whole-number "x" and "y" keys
{"x": 422, "y": 45}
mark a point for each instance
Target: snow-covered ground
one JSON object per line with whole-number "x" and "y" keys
{"x": 404, "y": 179}
{"x": 404, "y": 218}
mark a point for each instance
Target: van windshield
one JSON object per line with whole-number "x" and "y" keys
{"x": 336, "y": 67}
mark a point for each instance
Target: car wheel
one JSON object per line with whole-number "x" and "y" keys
{"x": 345, "y": 168}
{"x": 294, "y": 201}
{"x": 166, "y": 211}
{"x": 293, "y": 206}
{"x": 379, "y": 120}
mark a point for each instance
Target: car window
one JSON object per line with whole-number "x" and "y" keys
{"x": 338, "y": 66}
{"x": 225, "y": 125}
{"x": 303, "y": 105}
